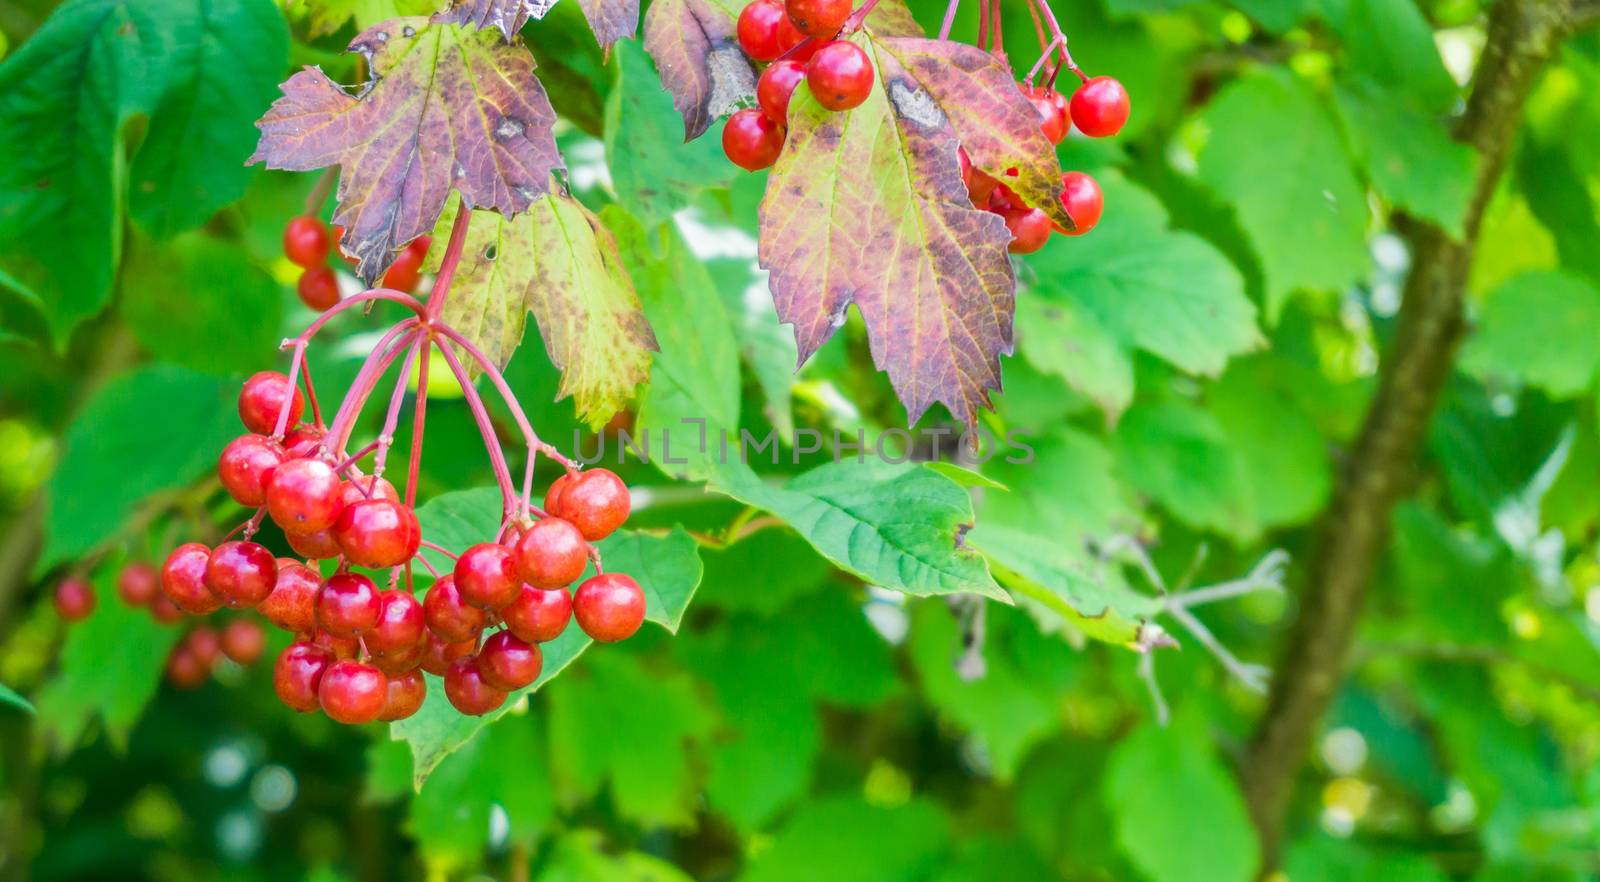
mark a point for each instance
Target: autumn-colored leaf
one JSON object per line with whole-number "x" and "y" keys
{"x": 447, "y": 107}
{"x": 611, "y": 20}
{"x": 694, "y": 45}
{"x": 868, "y": 207}
{"x": 506, "y": 15}
{"x": 559, "y": 261}
{"x": 997, "y": 126}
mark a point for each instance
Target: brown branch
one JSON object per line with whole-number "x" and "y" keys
{"x": 1522, "y": 35}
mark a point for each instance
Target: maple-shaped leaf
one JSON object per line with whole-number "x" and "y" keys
{"x": 447, "y": 107}
{"x": 611, "y": 20}
{"x": 696, "y": 49}
{"x": 506, "y": 15}
{"x": 998, "y": 127}
{"x": 559, "y": 261}
{"x": 868, "y": 207}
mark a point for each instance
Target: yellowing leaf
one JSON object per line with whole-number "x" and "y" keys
{"x": 447, "y": 107}
{"x": 327, "y": 16}
{"x": 694, "y": 46}
{"x": 867, "y": 207}
{"x": 559, "y": 261}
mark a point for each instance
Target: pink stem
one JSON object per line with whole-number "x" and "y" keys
{"x": 418, "y": 420}
{"x": 497, "y": 457}
{"x": 949, "y": 19}
{"x": 356, "y": 457}
{"x": 376, "y": 364}
{"x": 429, "y": 566}
{"x": 858, "y": 18}
{"x": 439, "y": 548}
{"x": 447, "y": 264}
{"x": 392, "y": 419}
{"x": 504, "y": 389}
{"x": 1061, "y": 38}
{"x": 1040, "y": 63}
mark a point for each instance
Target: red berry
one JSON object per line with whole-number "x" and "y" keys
{"x": 508, "y": 662}
{"x": 292, "y": 605}
{"x": 163, "y": 611}
{"x": 396, "y": 663}
{"x": 789, "y": 37}
{"x": 138, "y": 584}
{"x": 348, "y": 605}
{"x": 981, "y": 187}
{"x": 438, "y": 654}
{"x": 243, "y": 640}
{"x": 1030, "y": 229}
{"x": 320, "y": 545}
{"x": 1100, "y": 107}
{"x": 305, "y": 241}
{"x": 776, "y": 87}
{"x": 400, "y": 624}
{"x": 183, "y": 580}
{"x": 596, "y": 502}
{"x": 1081, "y": 197}
{"x": 404, "y": 696}
{"x": 965, "y": 162}
{"x": 377, "y": 533}
{"x": 262, "y": 398}
{"x": 558, "y": 489}
{"x": 369, "y": 487}
{"x": 245, "y": 465}
{"x": 352, "y": 692}
{"x": 486, "y": 575}
{"x": 818, "y": 18}
{"x": 751, "y": 140}
{"x": 609, "y": 607}
{"x": 758, "y": 29}
{"x": 185, "y": 670}
{"x": 318, "y": 288}
{"x": 204, "y": 643}
{"x": 304, "y": 496}
{"x": 1052, "y": 107}
{"x": 339, "y": 648}
{"x": 539, "y": 615}
{"x": 449, "y": 616}
{"x": 74, "y": 599}
{"x": 468, "y": 691}
{"x": 302, "y": 441}
{"x": 840, "y": 76}
{"x": 551, "y": 554}
{"x": 297, "y": 674}
{"x": 242, "y": 574}
{"x": 406, "y": 270}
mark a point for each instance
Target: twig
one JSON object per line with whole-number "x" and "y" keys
{"x": 1147, "y": 673}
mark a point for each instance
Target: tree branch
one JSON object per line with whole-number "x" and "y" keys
{"x": 1522, "y": 36}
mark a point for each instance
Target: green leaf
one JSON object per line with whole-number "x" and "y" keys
{"x": 559, "y": 261}
{"x": 10, "y": 696}
{"x": 654, "y": 173}
{"x": 328, "y": 16}
{"x": 582, "y": 856}
{"x": 1067, "y": 489}
{"x": 1168, "y": 293}
{"x": 1538, "y": 328}
{"x": 109, "y": 668}
{"x": 1179, "y": 815}
{"x": 1274, "y": 153}
{"x": 843, "y": 839}
{"x": 196, "y": 69}
{"x": 790, "y": 568}
{"x": 1178, "y": 455}
{"x": 667, "y": 568}
{"x": 201, "y": 303}
{"x": 1282, "y": 458}
{"x": 1321, "y": 858}
{"x": 1391, "y": 42}
{"x": 1062, "y": 337}
{"x": 696, "y": 49}
{"x": 446, "y": 108}
{"x": 449, "y": 816}
{"x": 112, "y": 461}
{"x": 1409, "y": 155}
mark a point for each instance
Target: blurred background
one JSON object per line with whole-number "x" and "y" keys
{"x": 1191, "y": 378}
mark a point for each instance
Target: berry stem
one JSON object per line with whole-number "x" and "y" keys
{"x": 383, "y": 355}
{"x": 418, "y": 420}
{"x": 431, "y": 546}
{"x": 428, "y": 566}
{"x": 996, "y": 42}
{"x": 491, "y": 443}
{"x": 859, "y": 17}
{"x": 391, "y": 418}
{"x": 447, "y": 264}
{"x": 1059, "y": 38}
{"x": 949, "y": 19}
{"x": 500, "y": 385}
{"x": 319, "y": 192}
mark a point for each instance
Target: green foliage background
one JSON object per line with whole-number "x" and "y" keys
{"x": 1189, "y": 377}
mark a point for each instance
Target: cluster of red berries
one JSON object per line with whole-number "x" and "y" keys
{"x": 797, "y": 37}
{"x": 307, "y": 242}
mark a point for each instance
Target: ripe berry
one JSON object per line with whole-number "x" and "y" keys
{"x": 758, "y": 29}
{"x": 1100, "y": 107}
{"x": 1081, "y": 197}
{"x": 1054, "y": 120}
{"x": 183, "y": 580}
{"x": 403, "y": 696}
{"x": 400, "y": 624}
{"x": 468, "y": 691}
{"x": 74, "y": 599}
{"x": 339, "y": 648}
{"x": 789, "y": 38}
{"x": 297, "y": 674}
{"x": 551, "y": 554}
{"x": 1030, "y": 229}
{"x": 596, "y": 502}
{"x": 508, "y": 662}
{"x": 138, "y": 584}
{"x": 352, "y": 692}
{"x": 262, "y": 398}
{"x": 243, "y": 640}
{"x": 245, "y": 465}
{"x": 393, "y": 664}
{"x": 377, "y": 533}
{"x": 840, "y": 76}
{"x": 818, "y": 18}
{"x": 304, "y": 496}
{"x": 164, "y": 612}
{"x": 558, "y": 489}
{"x": 449, "y": 616}
{"x": 751, "y": 140}
{"x": 406, "y": 270}
{"x": 486, "y": 575}
{"x": 776, "y": 87}
{"x": 369, "y": 487}
{"x": 318, "y": 288}
{"x": 539, "y": 615}
{"x": 348, "y": 605}
{"x": 301, "y": 442}
{"x": 320, "y": 545}
{"x": 609, "y": 607}
{"x": 305, "y": 241}
{"x": 204, "y": 643}
{"x": 438, "y": 654}
{"x": 241, "y": 574}
{"x": 185, "y": 670}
